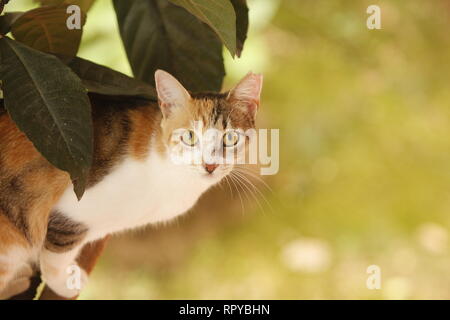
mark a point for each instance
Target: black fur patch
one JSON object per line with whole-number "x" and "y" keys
{"x": 112, "y": 128}
{"x": 63, "y": 234}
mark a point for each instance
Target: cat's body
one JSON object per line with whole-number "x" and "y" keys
{"x": 149, "y": 190}
{"x": 133, "y": 180}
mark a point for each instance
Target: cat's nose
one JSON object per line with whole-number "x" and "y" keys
{"x": 211, "y": 167}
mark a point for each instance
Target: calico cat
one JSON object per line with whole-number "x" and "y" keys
{"x": 133, "y": 180}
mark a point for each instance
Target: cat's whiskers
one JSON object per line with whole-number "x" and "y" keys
{"x": 255, "y": 188}
{"x": 248, "y": 193}
{"x": 251, "y": 188}
{"x": 254, "y": 175}
{"x": 228, "y": 183}
{"x": 233, "y": 181}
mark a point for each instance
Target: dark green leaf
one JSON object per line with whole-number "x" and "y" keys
{"x": 45, "y": 29}
{"x": 49, "y": 104}
{"x": 7, "y": 20}
{"x": 241, "y": 9}
{"x": 100, "y": 79}
{"x": 161, "y": 35}
{"x": 218, "y": 14}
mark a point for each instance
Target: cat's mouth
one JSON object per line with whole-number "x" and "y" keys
{"x": 215, "y": 172}
{"x": 214, "y": 176}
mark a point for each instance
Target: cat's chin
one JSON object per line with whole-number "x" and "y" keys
{"x": 212, "y": 178}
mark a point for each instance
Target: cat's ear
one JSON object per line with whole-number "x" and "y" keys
{"x": 247, "y": 92}
{"x": 171, "y": 93}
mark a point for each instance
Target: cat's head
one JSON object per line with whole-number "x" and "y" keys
{"x": 207, "y": 132}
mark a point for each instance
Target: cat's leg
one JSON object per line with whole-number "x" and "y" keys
{"x": 15, "y": 253}
{"x": 61, "y": 272}
{"x": 19, "y": 284}
{"x": 65, "y": 239}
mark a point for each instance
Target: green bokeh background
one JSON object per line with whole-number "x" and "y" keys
{"x": 364, "y": 179}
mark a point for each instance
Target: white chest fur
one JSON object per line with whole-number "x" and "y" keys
{"x": 135, "y": 194}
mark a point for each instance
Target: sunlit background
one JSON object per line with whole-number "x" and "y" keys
{"x": 364, "y": 119}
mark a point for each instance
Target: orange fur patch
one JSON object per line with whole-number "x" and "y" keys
{"x": 16, "y": 149}
{"x": 45, "y": 185}
{"x": 9, "y": 235}
{"x": 143, "y": 124}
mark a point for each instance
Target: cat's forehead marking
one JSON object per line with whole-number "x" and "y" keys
{"x": 209, "y": 108}
{"x": 214, "y": 110}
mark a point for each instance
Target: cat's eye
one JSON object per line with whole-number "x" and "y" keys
{"x": 230, "y": 138}
{"x": 189, "y": 138}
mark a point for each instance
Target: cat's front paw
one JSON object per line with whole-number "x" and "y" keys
{"x": 68, "y": 283}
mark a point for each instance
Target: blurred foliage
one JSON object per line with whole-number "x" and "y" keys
{"x": 364, "y": 119}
